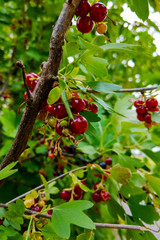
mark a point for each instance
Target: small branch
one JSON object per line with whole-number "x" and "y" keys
{"x": 29, "y": 96}
{"x": 41, "y": 186}
{"x": 137, "y": 89}
{"x": 98, "y": 225}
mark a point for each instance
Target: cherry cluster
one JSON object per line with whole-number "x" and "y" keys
{"x": 144, "y": 110}
{"x": 74, "y": 193}
{"x": 89, "y": 14}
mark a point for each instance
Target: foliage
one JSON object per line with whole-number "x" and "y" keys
{"x": 89, "y": 61}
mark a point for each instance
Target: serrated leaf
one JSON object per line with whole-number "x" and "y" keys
{"x": 15, "y": 213}
{"x": 154, "y": 182}
{"x": 71, "y": 213}
{"x": 49, "y": 233}
{"x": 90, "y": 116}
{"x": 54, "y": 95}
{"x": 6, "y": 172}
{"x": 64, "y": 97}
{"x": 120, "y": 174}
{"x": 2, "y": 212}
{"x": 103, "y": 87}
{"x": 9, "y": 231}
{"x": 141, "y": 8}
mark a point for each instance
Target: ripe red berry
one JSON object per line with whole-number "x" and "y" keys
{"x": 36, "y": 208}
{"x": 86, "y": 102}
{"x": 50, "y": 212}
{"x": 50, "y": 155}
{"x": 83, "y": 9}
{"x": 32, "y": 83}
{"x": 25, "y": 94}
{"x": 78, "y": 105}
{"x": 151, "y": 104}
{"x": 49, "y": 108}
{"x": 59, "y": 111}
{"x": 75, "y": 94}
{"x": 78, "y": 193}
{"x": 42, "y": 140}
{"x": 96, "y": 196}
{"x": 147, "y": 118}
{"x": 138, "y": 103}
{"x": 98, "y": 12}
{"x": 108, "y": 161}
{"x": 66, "y": 195}
{"x": 85, "y": 24}
{"x": 105, "y": 195}
{"x": 141, "y": 117}
{"x": 59, "y": 129}
{"x": 141, "y": 110}
{"x": 93, "y": 108}
{"x": 96, "y": 185}
{"x": 78, "y": 125}
{"x": 1, "y": 221}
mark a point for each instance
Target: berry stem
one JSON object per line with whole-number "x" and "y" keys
{"x": 115, "y": 24}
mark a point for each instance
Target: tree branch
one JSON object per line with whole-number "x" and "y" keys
{"x": 98, "y": 225}
{"x": 49, "y": 73}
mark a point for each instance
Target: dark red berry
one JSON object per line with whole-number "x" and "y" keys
{"x": 96, "y": 196}
{"x": 85, "y": 24}
{"x": 98, "y": 12}
{"x": 141, "y": 117}
{"x": 52, "y": 148}
{"x": 50, "y": 212}
{"x": 32, "y": 83}
{"x": 1, "y": 221}
{"x": 102, "y": 165}
{"x": 105, "y": 195}
{"x": 96, "y": 185}
{"x": 49, "y": 108}
{"x": 138, "y": 103}
{"x": 75, "y": 94}
{"x": 86, "y": 102}
{"x": 147, "y": 118}
{"x": 78, "y": 105}
{"x": 108, "y": 161}
{"x": 78, "y": 193}
{"x": 42, "y": 140}
{"x": 78, "y": 125}
{"x": 25, "y": 94}
{"x": 59, "y": 129}
{"x": 83, "y": 9}
{"x": 66, "y": 195}
{"x": 59, "y": 111}
{"x": 50, "y": 155}
{"x": 151, "y": 104}
{"x": 93, "y": 108}
{"x": 141, "y": 110}
{"x": 36, "y": 208}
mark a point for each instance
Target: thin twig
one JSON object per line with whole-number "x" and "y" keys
{"x": 42, "y": 185}
{"x": 137, "y": 89}
{"x": 98, "y": 225}
{"x": 20, "y": 65}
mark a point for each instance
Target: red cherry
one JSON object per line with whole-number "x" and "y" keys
{"x": 85, "y": 24}
{"x": 156, "y": 109}
{"x": 42, "y": 140}
{"x": 50, "y": 212}
{"x": 141, "y": 110}
{"x": 95, "y": 185}
{"x": 50, "y": 155}
{"x": 83, "y": 9}
{"x": 151, "y": 104}
{"x": 78, "y": 105}
{"x": 108, "y": 161}
{"x": 105, "y": 195}
{"x": 96, "y": 196}
{"x": 59, "y": 111}
{"x": 141, "y": 117}
{"x": 32, "y": 83}
{"x": 66, "y": 195}
{"x": 25, "y": 94}
{"x": 49, "y": 108}
{"x": 59, "y": 129}
{"x": 138, "y": 103}
{"x": 98, "y": 12}
{"x": 147, "y": 118}
{"x": 78, "y": 125}
{"x": 78, "y": 193}
{"x": 92, "y": 108}
{"x": 36, "y": 208}
{"x": 86, "y": 102}
{"x": 75, "y": 95}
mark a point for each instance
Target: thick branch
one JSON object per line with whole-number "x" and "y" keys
{"x": 49, "y": 71}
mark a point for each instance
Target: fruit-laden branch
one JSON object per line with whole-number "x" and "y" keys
{"x": 98, "y": 225}
{"x": 48, "y": 77}
{"x": 143, "y": 89}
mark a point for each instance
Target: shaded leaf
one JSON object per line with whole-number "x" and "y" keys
{"x": 6, "y": 172}
{"x": 141, "y": 8}
{"x": 103, "y": 87}
{"x": 121, "y": 174}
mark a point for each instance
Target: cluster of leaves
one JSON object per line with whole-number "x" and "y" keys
{"x": 88, "y": 62}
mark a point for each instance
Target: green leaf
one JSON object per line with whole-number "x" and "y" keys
{"x": 9, "y": 231}
{"x": 15, "y": 213}
{"x": 90, "y": 116}
{"x": 156, "y": 117}
{"x": 6, "y": 172}
{"x": 103, "y": 87}
{"x": 76, "y": 181}
{"x": 91, "y": 131}
{"x": 120, "y": 174}
{"x": 97, "y": 66}
{"x": 94, "y": 48}
{"x": 71, "y": 213}
{"x": 54, "y": 95}
{"x": 64, "y": 97}
{"x": 87, "y": 235}
{"x": 141, "y": 8}
{"x": 115, "y": 209}
{"x": 2, "y": 212}
{"x": 33, "y": 194}
{"x": 154, "y": 182}
{"x": 49, "y": 233}
{"x": 118, "y": 46}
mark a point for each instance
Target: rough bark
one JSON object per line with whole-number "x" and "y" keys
{"x": 48, "y": 76}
